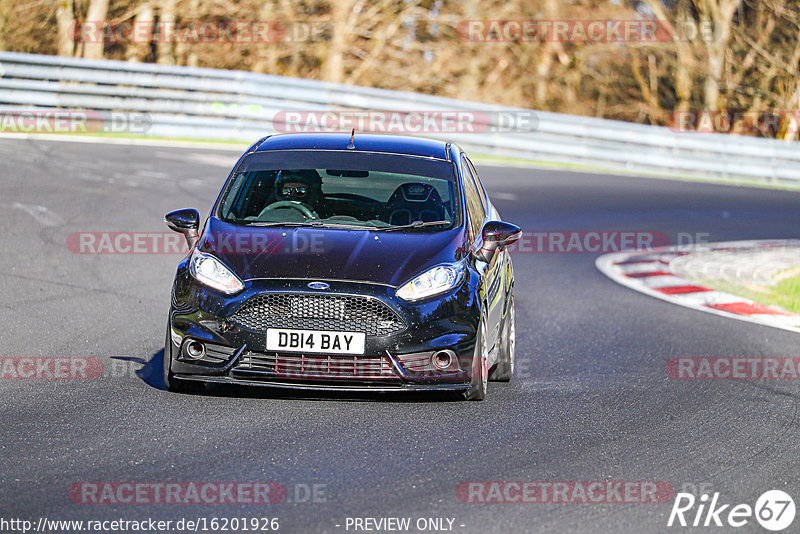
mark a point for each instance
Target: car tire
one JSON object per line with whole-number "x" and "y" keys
{"x": 170, "y": 382}
{"x": 480, "y": 369}
{"x": 508, "y": 341}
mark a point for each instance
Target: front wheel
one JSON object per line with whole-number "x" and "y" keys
{"x": 480, "y": 367}
{"x": 505, "y": 360}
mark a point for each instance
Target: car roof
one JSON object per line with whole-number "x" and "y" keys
{"x": 388, "y": 144}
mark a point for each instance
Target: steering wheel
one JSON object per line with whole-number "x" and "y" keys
{"x": 304, "y": 211}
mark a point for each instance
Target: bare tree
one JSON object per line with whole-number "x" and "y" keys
{"x": 98, "y": 12}
{"x": 719, "y": 15}
{"x": 166, "y": 19}
{"x": 3, "y": 22}
{"x": 342, "y": 18}
{"x": 267, "y": 54}
{"x": 185, "y": 50}
{"x": 65, "y": 20}
{"x": 139, "y": 48}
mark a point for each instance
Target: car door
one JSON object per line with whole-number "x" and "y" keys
{"x": 492, "y": 271}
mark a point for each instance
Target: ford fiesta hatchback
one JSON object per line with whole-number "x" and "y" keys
{"x": 345, "y": 263}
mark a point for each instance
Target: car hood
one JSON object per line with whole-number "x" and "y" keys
{"x": 330, "y": 254}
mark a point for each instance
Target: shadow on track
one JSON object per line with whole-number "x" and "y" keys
{"x": 151, "y": 371}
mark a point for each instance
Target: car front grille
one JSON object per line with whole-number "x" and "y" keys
{"x": 341, "y": 313}
{"x": 315, "y": 367}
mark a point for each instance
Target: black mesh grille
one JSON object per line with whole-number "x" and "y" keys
{"x": 315, "y": 367}
{"x": 318, "y": 312}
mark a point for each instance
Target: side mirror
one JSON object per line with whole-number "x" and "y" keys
{"x": 185, "y": 221}
{"x": 497, "y": 235}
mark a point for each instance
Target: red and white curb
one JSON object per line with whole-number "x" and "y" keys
{"x": 649, "y": 273}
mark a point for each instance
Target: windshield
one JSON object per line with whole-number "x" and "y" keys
{"x": 347, "y": 189}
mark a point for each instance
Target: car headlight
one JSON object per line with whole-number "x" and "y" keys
{"x": 432, "y": 282}
{"x": 209, "y": 270}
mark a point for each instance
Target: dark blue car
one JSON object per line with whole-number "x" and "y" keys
{"x": 345, "y": 263}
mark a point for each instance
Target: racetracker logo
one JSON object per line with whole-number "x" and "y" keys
{"x": 194, "y": 32}
{"x": 238, "y": 243}
{"x": 177, "y": 493}
{"x": 588, "y": 241}
{"x": 73, "y": 121}
{"x": 784, "y": 123}
{"x": 565, "y": 31}
{"x": 38, "y": 368}
{"x": 403, "y": 121}
{"x": 774, "y": 510}
{"x": 565, "y": 492}
{"x": 734, "y": 368}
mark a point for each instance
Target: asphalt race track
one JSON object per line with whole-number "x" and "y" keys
{"x": 591, "y": 399}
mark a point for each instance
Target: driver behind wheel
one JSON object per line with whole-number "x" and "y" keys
{"x": 302, "y": 186}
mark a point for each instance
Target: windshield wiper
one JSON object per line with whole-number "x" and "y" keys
{"x": 288, "y": 224}
{"x": 313, "y": 224}
{"x": 415, "y": 224}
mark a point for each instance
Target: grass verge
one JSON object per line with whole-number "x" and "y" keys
{"x": 784, "y": 295}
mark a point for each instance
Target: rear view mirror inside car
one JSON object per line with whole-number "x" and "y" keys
{"x": 348, "y": 174}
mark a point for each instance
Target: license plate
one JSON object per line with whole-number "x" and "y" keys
{"x": 323, "y": 341}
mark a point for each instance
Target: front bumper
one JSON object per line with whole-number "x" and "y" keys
{"x": 402, "y": 361}
{"x": 312, "y": 386}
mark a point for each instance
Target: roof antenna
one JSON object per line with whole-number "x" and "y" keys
{"x": 351, "y": 146}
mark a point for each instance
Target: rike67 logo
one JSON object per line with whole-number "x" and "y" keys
{"x": 774, "y": 510}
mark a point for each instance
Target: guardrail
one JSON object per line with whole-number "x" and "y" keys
{"x": 196, "y": 103}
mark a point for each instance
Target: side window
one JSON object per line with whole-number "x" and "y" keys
{"x": 484, "y": 196}
{"x": 249, "y": 193}
{"x": 474, "y": 202}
